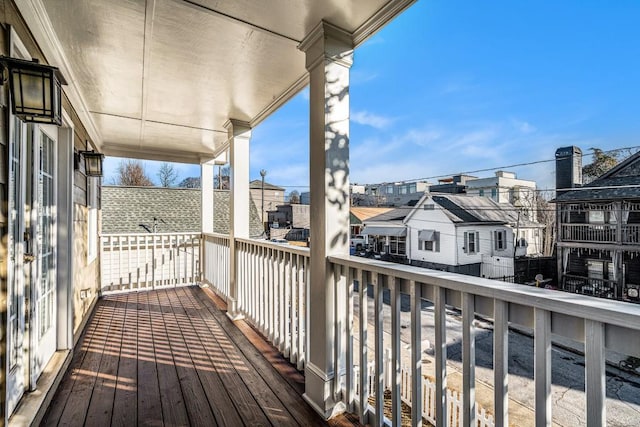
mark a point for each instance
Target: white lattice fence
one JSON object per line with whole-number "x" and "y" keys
{"x": 454, "y": 401}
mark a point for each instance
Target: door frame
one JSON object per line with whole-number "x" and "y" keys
{"x": 65, "y": 233}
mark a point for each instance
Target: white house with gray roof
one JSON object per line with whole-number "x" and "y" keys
{"x": 466, "y": 234}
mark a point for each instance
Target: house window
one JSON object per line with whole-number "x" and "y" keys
{"x": 471, "y": 242}
{"x": 500, "y": 240}
{"x": 601, "y": 217}
{"x": 429, "y": 240}
{"x": 397, "y": 245}
{"x": 596, "y": 217}
{"x": 429, "y": 207}
{"x": 494, "y": 193}
{"x": 481, "y": 192}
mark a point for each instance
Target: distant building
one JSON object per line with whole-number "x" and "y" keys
{"x": 456, "y": 184}
{"x": 305, "y": 198}
{"x": 290, "y": 221}
{"x": 392, "y": 194}
{"x": 273, "y": 196}
{"x": 505, "y": 187}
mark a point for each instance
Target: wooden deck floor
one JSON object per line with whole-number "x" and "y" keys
{"x": 173, "y": 358}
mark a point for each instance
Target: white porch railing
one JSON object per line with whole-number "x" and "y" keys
{"x": 595, "y": 322}
{"x": 273, "y": 280}
{"x": 631, "y": 234}
{"x": 148, "y": 261}
{"x": 605, "y": 233}
{"x": 215, "y": 264}
{"x": 272, "y": 288}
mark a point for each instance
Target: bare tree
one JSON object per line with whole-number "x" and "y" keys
{"x": 132, "y": 173}
{"x": 222, "y": 180}
{"x": 547, "y": 216}
{"x": 167, "y": 174}
{"x": 191, "y": 182}
{"x": 294, "y": 197}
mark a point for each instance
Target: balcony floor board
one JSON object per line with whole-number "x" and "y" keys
{"x": 173, "y": 357}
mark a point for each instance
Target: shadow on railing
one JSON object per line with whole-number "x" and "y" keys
{"x": 592, "y": 323}
{"x": 130, "y": 262}
{"x": 272, "y": 288}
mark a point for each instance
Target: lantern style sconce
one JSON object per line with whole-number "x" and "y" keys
{"x": 35, "y": 88}
{"x": 92, "y": 162}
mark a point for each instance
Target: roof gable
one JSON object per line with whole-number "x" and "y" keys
{"x": 256, "y": 184}
{"x": 619, "y": 183}
{"x": 628, "y": 167}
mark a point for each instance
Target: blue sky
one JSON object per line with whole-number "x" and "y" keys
{"x": 456, "y": 86}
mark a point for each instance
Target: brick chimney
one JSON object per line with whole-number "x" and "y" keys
{"x": 568, "y": 168}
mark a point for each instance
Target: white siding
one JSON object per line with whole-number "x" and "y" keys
{"x": 437, "y": 220}
{"x": 486, "y": 245}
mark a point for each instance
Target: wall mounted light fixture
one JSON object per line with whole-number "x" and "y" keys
{"x": 92, "y": 162}
{"x": 36, "y": 91}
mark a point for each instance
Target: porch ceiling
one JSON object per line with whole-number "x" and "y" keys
{"x": 158, "y": 79}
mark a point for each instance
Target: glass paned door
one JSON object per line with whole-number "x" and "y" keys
{"x": 16, "y": 353}
{"x": 43, "y": 283}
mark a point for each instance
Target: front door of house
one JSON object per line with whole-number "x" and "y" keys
{"x": 31, "y": 331}
{"x": 43, "y": 268}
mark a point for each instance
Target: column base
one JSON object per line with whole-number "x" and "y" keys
{"x": 232, "y": 310}
{"x": 319, "y": 393}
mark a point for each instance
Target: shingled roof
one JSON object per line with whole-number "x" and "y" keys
{"x": 479, "y": 209}
{"x": 132, "y": 210}
{"x": 622, "y": 182}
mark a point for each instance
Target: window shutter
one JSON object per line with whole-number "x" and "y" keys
{"x": 495, "y": 240}
{"x": 476, "y": 248}
{"x": 466, "y": 242}
{"x": 437, "y": 242}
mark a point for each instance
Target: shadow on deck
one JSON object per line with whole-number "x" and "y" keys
{"x": 173, "y": 357}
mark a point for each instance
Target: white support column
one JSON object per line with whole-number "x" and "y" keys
{"x": 206, "y": 191}
{"x": 239, "y": 135}
{"x": 329, "y": 53}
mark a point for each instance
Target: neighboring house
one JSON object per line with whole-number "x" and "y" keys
{"x": 387, "y": 232}
{"x": 505, "y": 187}
{"x": 465, "y": 234}
{"x": 273, "y": 196}
{"x": 598, "y": 247}
{"x": 361, "y": 214}
{"x": 290, "y": 221}
{"x": 165, "y": 210}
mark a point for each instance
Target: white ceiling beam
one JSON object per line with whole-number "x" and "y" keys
{"x": 146, "y": 153}
{"x": 236, "y": 20}
{"x": 149, "y": 16}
